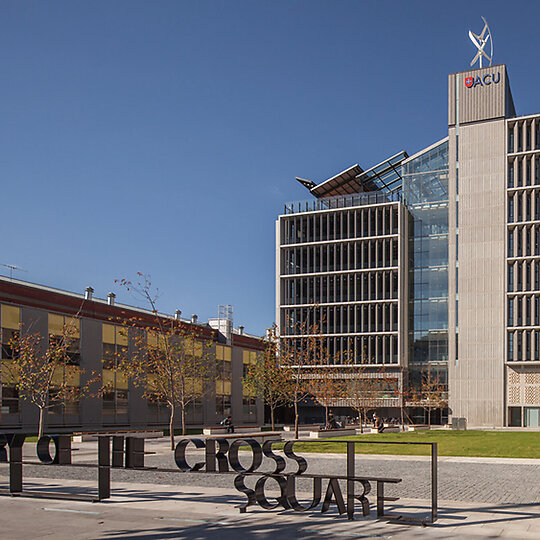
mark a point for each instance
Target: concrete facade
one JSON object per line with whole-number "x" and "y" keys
{"x": 486, "y": 214}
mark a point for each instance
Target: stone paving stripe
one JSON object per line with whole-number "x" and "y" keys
{"x": 69, "y": 510}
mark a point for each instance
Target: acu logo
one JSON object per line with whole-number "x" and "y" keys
{"x": 486, "y": 80}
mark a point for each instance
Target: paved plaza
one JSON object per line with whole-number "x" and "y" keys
{"x": 478, "y": 498}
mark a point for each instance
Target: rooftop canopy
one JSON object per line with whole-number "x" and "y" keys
{"x": 382, "y": 177}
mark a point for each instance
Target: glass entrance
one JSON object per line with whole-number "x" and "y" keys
{"x": 532, "y": 417}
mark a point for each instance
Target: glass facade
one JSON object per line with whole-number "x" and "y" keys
{"x": 425, "y": 194}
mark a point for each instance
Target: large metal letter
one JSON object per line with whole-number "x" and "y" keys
{"x": 257, "y": 455}
{"x": 267, "y": 451}
{"x": 104, "y": 467}
{"x": 180, "y": 455}
{"x": 291, "y": 494}
{"x": 302, "y": 463}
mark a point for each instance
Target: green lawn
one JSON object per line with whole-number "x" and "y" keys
{"x": 450, "y": 443}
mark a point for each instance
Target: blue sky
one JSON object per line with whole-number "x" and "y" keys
{"x": 164, "y": 137}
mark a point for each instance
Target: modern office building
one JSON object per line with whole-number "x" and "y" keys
{"x": 99, "y": 337}
{"x": 431, "y": 261}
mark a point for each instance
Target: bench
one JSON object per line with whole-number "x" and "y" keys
{"x": 260, "y": 436}
{"x": 84, "y": 436}
{"x": 387, "y": 429}
{"x": 302, "y": 427}
{"x": 325, "y": 433}
{"x": 417, "y": 427}
{"x": 218, "y": 430}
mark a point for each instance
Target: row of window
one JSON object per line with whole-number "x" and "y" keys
{"x": 367, "y": 286}
{"x": 340, "y": 257}
{"x": 524, "y": 206}
{"x": 524, "y": 276}
{"x": 524, "y": 240}
{"x": 523, "y": 346}
{"x": 354, "y": 223}
{"x": 373, "y": 350}
{"x": 520, "y": 135}
{"x": 523, "y": 310}
{"x": 520, "y": 171}
{"x": 365, "y": 318}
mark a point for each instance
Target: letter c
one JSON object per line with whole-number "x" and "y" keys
{"x": 180, "y": 455}
{"x": 487, "y": 79}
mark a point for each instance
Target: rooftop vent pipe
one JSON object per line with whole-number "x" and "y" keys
{"x": 194, "y": 319}
{"x": 110, "y": 298}
{"x": 177, "y": 314}
{"x": 88, "y": 292}
{"x": 241, "y": 330}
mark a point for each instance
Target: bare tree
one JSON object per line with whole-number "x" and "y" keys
{"x": 172, "y": 361}
{"x": 266, "y": 379}
{"x": 430, "y": 394}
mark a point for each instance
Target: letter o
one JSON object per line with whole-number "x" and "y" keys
{"x": 180, "y": 455}
{"x": 42, "y": 449}
{"x": 257, "y": 455}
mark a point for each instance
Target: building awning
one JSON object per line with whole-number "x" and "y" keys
{"x": 384, "y": 176}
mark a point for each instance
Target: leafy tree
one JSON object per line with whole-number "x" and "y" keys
{"x": 45, "y": 371}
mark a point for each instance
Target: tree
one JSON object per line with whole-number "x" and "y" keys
{"x": 431, "y": 393}
{"x": 266, "y": 379}
{"x": 297, "y": 354}
{"x": 45, "y": 369}
{"x": 172, "y": 361}
{"x": 326, "y": 385}
{"x": 359, "y": 389}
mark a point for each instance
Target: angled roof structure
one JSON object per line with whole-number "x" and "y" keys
{"x": 382, "y": 177}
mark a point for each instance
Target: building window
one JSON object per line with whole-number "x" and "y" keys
{"x": 510, "y": 346}
{"x": 511, "y": 278}
{"x": 223, "y": 381}
{"x": 511, "y": 210}
{"x": 537, "y": 135}
{"x": 511, "y": 243}
{"x": 10, "y": 321}
{"x": 511, "y": 174}
{"x": 520, "y": 173}
{"x": 520, "y": 137}
{"x": 510, "y": 140}
{"x": 528, "y": 136}
{"x": 116, "y": 395}
{"x": 68, "y": 328}
{"x": 510, "y": 312}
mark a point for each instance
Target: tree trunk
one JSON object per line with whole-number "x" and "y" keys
{"x": 272, "y": 418}
{"x": 41, "y": 421}
{"x": 171, "y": 427}
{"x": 402, "y": 418}
{"x": 429, "y": 417}
{"x": 183, "y": 419}
{"x": 360, "y": 419}
{"x": 296, "y": 420}
{"x": 325, "y": 415}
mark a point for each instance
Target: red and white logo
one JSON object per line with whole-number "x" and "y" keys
{"x": 469, "y": 81}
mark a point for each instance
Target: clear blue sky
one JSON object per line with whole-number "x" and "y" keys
{"x": 164, "y": 137}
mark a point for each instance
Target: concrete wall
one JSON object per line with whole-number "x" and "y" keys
{"x": 477, "y": 379}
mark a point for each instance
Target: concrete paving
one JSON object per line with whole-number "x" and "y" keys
{"x": 479, "y": 498}
{"x": 162, "y": 512}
